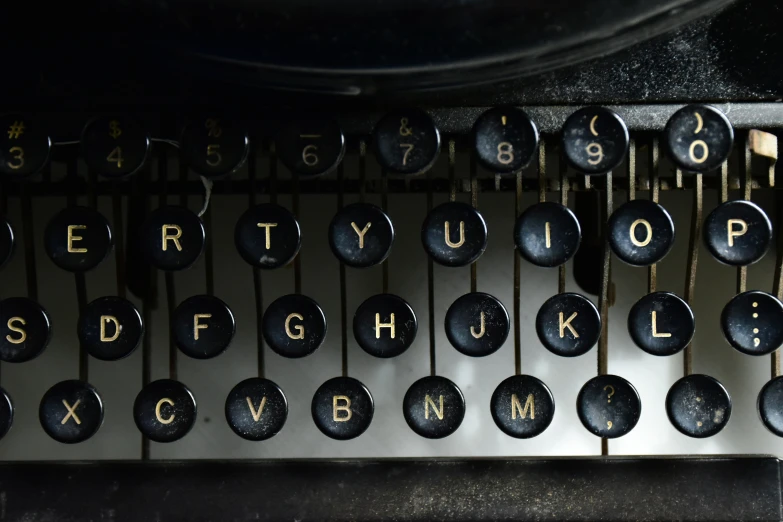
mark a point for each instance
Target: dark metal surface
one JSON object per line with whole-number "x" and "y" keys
{"x": 580, "y": 489}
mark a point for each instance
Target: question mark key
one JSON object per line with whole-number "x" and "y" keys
{"x": 608, "y": 406}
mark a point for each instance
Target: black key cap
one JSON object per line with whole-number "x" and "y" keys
{"x": 454, "y": 234}
{"x": 547, "y": 234}
{"x": 110, "y": 328}
{"x": 6, "y": 241}
{"x": 737, "y": 233}
{"x": 595, "y": 140}
{"x": 25, "y": 147}
{"x": 203, "y": 326}
{"x": 294, "y": 326}
{"x": 752, "y": 322}
{"x": 115, "y": 146}
{"x": 311, "y": 147}
{"x": 361, "y": 235}
{"x": 608, "y": 406}
{"x": 477, "y": 324}
{"x": 568, "y": 324}
{"x": 641, "y": 232}
{"x": 256, "y": 409}
{"x": 342, "y": 408}
{"x": 505, "y": 140}
{"x": 267, "y": 236}
{"x": 173, "y": 238}
{"x": 770, "y": 406}
{"x": 6, "y": 413}
{"x": 165, "y": 410}
{"x": 434, "y": 407}
{"x": 78, "y": 239}
{"x": 699, "y": 138}
{"x": 385, "y": 326}
{"x": 71, "y": 411}
{"x": 661, "y": 323}
{"x": 25, "y": 329}
{"x": 407, "y": 142}
{"x": 698, "y": 406}
{"x": 522, "y": 406}
{"x": 214, "y": 147}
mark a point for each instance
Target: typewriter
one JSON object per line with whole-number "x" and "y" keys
{"x": 391, "y": 261}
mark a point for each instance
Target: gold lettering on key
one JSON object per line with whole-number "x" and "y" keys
{"x": 655, "y": 331}
{"x": 198, "y": 326}
{"x": 736, "y": 233}
{"x": 361, "y": 232}
{"x": 73, "y": 238}
{"x": 548, "y": 233}
{"x": 71, "y": 412}
{"x": 173, "y": 237}
{"x": 438, "y": 412}
{"x": 341, "y": 407}
{"x": 20, "y": 331}
{"x": 648, "y": 229}
{"x": 567, "y": 324}
{"x": 379, "y": 325}
{"x": 300, "y": 331}
{"x": 268, "y": 229}
{"x": 461, "y": 241}
{"x": 482, "y": 330}
{"x": 106, "y": 319}
{"x": 530, "y": 404}
{"x": 158, "y": 415}
{"x": 256, "y": 413}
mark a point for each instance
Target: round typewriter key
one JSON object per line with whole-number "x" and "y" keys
{"x": 214, "y": 147}
{"x": 608, "y": 406}
{"x": 454, "y": 234}
{"x": 595, "y": 140}
{"x": 770, "y": 406}
{"x": 752, "y": 322}
{"x": 165, "y": 410}
{"x": 110, "y": 328}
{"x": 698, "y": 406}
{"x": 406, "y": 142}
{"x": 568, "y": 324}
{"x": 6, "y": 413}
{"x": 173, "y": 238}
{"x": 203, "y": 326}
{"x": 477, "y": 324}
{"x": 738, "y": 233}
{"x": 661, "y": 323}
{"x": 641, "y": 232}
{"x": 361, "y": 235}
{"x": 522, "y": 406}
{"x": 6, "y": 241}
{"x": 342, "y": 408}
{"x": 547, "y": 234}
{"x": 78, "y": 239}
{"x": 24, "y": 147}
{"x": 25, "y": 329}
{"x": 385, "y": 325}
{"x": 505, "y": 139}
{"x": 267, "y": 236}
{"x": 256, "y": 409}
{"x": 311, "y": 147}
{"x": 294, "y": 326}
{"x": 699, "y": 138}
{"x": 71, "y": 411}
{"x": 115, "y": 146}
{"x": 434, "y": 407}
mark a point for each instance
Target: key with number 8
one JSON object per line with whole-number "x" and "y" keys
{"x": 699, "y": 138}
{"x": 505, "y": 140}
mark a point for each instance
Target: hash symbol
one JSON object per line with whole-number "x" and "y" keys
{"x": 15, "y": 130}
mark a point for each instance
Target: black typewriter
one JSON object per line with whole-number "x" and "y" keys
{"x": 391, "y": 260}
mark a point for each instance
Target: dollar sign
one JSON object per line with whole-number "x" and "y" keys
{"x": 115, "y": 131}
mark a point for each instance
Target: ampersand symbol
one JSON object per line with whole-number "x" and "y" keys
{"x": 404, "y": 129}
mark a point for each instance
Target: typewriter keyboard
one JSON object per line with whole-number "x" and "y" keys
{"x": 444, "y": 282}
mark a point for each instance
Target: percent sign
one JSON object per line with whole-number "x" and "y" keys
{"x": 213, "y": 128}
